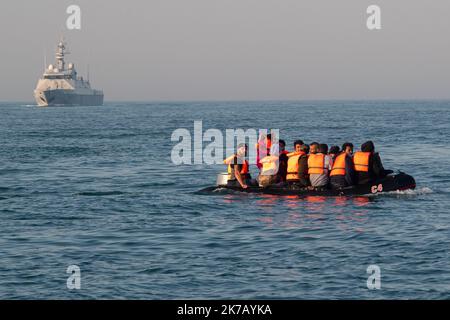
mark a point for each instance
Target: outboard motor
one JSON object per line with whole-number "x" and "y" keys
{"x": 222, "y": 179}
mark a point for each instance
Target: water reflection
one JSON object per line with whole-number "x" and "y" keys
{"x": 348, "y": 214}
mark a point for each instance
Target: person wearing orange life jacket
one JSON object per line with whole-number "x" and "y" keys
{"x": 270, "y": 166}
{"x": 314, "y": 148}
{"x": 319, "y": 167}
{"x": 298, "y": 165}
{"x": 292, "y": 164}
{"x": 238, "y": 168}
{"x": 368, "y": 164}
{"x": 342, "y": 172}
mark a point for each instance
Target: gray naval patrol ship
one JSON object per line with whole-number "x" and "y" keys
{"x": 61, "y": 87}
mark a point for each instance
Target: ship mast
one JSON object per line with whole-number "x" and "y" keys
{"x": 60, "y": 53}
{"x": 45, "y": 60}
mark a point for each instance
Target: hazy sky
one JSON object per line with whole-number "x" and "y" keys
{"x": 233, "y": 49}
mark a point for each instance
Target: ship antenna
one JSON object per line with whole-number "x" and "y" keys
{"x": 89, "y": 66}
{"x": 45, "y": 60}
{"x": 60, "y": 54}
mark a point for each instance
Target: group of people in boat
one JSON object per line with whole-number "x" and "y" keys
{"x": 313, "y": 166}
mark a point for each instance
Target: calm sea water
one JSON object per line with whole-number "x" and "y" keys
{"x": 95, "y": 187}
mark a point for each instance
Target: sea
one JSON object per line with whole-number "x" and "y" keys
{"x": 93, "y": 207}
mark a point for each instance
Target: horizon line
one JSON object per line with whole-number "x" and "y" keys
{"x": 31, "y": 102}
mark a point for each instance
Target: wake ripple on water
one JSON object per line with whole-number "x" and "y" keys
{"x": 409, "y": 192}
{"x": 421, "y": 191}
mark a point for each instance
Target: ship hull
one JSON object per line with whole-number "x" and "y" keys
{"x": 68, "y": 98}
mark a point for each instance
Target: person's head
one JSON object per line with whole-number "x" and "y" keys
{"x": 242, "y": 150}
{"x": 347, "y": 148}
{"x": 314, "y": 147}
{"x": 304, "y": 148}
{"x": 297, "y": 145}
{"x": 323, "y": 148}
{"x": 368, "y": 146}
{"x": 269, "y": 137}
{"x": 334, "y": 150}
{"x": 282, "y": 145}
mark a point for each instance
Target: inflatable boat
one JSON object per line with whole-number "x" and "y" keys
{"x": 392, "y": 182}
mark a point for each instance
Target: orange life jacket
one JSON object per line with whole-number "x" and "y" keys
{"x": 361, "y": 161}
{"x": 244, "y": 171}
{"x": 338, "y": 168}
{"x": 316, "y": 163}
{"x": 292, "y": 168}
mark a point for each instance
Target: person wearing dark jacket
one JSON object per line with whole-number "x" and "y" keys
{"x": 303, "y": 175}
{"x": 282, "y": 170}
{"x": 368, "y": 165}
{"x": 342, "y": 173}
{"x": 333, "y": 153}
